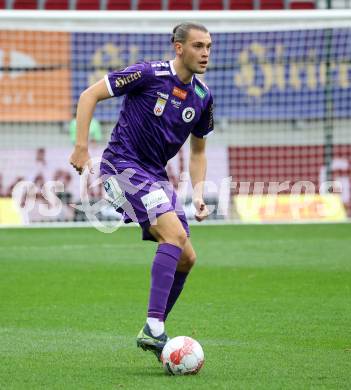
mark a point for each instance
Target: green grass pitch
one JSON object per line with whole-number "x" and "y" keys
{"x": 271, "y": 306}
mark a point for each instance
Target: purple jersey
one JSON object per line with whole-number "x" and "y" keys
{"x": 158, "y": 113}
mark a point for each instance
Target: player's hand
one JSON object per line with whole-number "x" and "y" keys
{"x": 80, "y": 158}
{"x": 201, "y": 209}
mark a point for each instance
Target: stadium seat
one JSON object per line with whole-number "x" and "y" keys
{"x": 2, "y": 4}
{"x": 86, "y": 5}
{"x": 210, "y": 4}
{"x": 241, "y": 5}
{"x": 123, "y": 5}
{"x": 302, "y": 5}
{"x": 174, "y": 5}
{"x": 56, "y": 4}
{"x": 145, "y": 5}
{"x": 24, "y": 4}
{"x": 272, "y": 4}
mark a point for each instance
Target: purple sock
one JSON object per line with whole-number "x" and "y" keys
{"x": 162, "y": 276}
{"x": 177, "y": 287}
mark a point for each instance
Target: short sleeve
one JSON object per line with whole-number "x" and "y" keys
{"x": 131, "y": 79}
{"x": 205, "y": 124}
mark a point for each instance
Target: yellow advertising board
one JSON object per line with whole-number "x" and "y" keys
{"x": 9, "y": 213}
{"x": 281, "y": 208}
{"x": 35, "y": 80}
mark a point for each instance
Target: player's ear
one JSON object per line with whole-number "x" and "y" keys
{"x": 178, "y": 47}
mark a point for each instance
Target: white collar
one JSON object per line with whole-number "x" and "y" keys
{"x": 174, "y": 71}
{"x": 172, "y": 67}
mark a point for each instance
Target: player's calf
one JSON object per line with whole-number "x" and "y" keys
{"x": 187, "y": 259}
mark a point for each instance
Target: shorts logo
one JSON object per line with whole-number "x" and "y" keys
{"x": 122, "y": 81}
{"x": 180, "y": 93}
{"x": 160, "y": 106}
{"x": 154, "y": 198}
{"x": 114, "y": 192}
{"x": 188, "y": 114}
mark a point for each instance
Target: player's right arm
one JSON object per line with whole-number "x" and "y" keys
{"x": 85, "y": 111}
{"x": 116, "y": 83}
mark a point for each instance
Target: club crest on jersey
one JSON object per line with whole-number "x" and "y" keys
{"x": 160, "y": 106}
{"x": 180, "y": 93}
{"x": 188, "y": 114}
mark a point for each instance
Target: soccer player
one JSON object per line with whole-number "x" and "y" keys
{"x": 164, "y": 103}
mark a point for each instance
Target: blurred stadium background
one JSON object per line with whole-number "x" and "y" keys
{"x": 281, "y": 80}
{"x": 270, "y": 303}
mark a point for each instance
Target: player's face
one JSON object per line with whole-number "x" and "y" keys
{"x": 196, "y": 51}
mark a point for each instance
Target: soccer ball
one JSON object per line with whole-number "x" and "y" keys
{"x": 182, "y": 355}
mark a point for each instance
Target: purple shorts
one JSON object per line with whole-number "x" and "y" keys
{"x": 138, "y": 195}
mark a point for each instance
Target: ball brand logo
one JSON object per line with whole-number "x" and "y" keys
{"x": 179, "y": 93}
{"x": 188, "y": 114}
{"x": 122, "y": 81}
{"x": 187, "y": 349}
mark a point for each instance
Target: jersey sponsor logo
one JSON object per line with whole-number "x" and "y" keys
{"x": 180, "y": 93}
{"x": 162, "y": 72}
{"x": 122, "y": 81}
{"x": 163, "y": 95}
{"x": 200, "y": 92}
{"x": 176, "y": 103}
{"x": 154, "y": 198}
{"x": 114, "y": 193}
{"x": 160, "y": 106}
{"x": 188, "y": 114}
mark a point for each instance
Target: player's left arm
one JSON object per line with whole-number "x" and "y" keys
{"x": 198, "y": 160}
{"x": 197, "y": 168}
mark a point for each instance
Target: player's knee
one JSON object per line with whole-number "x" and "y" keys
{"x": 191, "y": 259}
{"x": 177, "y": 237}
{"x": 186, "y": 262}
{"x": 180, "y": 238}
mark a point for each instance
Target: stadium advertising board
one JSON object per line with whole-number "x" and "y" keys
{"x": 286, "y": 75}
{"x": 9, "y": 212}
{"x": 280, "y": 208}
{"x": 294, "y": 170}
{"x": 35, "y": 76}
{"x": 217, "y": 186}
{"x": 280, "y": 75}
{"x": 44, "y": 185}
